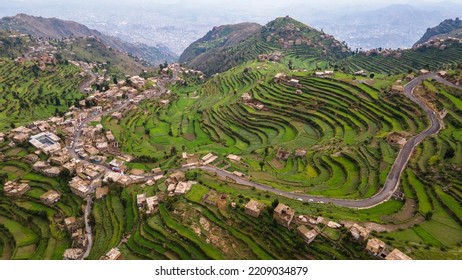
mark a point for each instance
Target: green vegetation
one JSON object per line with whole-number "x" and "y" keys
{"x": 28, "y": 93}
{"x": 340, "y": 125}
{"x": 30, "y": 229}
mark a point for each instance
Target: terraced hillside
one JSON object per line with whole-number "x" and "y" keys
{"x": 218, "y": 38}
{"x": 28, "y": 93}
{"x": 302, "y": 45}
{"x": 430, "y": 58}
{"x": 30, "y": 229}
{"x": 341, "y": 126}
{"x": 447, "y": 28}
{"x": 93, "y": 50}
{"x": 12, "y": 45}
{"x": 57, "y": 29}
{"x": 433, "y": 181}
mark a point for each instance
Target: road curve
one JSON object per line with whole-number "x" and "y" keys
{"x": 392, "y": 180}
{"x": 394, "y": 176}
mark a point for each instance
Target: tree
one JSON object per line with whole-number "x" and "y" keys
{"x": 290, "y": 64}
{"x": 261, "y": 163}
{"x": 428, "y": 215}
{"x": 372, "y": 75}
{"x": 275, "y": 203}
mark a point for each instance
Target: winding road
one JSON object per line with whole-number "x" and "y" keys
{"x": 394, "y": 176}
{"x": 390, "y": 186}
{"x": 73, "y": 153}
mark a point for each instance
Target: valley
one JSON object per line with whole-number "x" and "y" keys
{"x": 281, "y": 139}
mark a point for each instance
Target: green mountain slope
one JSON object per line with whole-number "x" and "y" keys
{"x": 54, "y": 28}
{"x": 218, "y": 38}
{"x": 91, "y": 49}
{"x": 27, "y": 93}
{"x": 298, "y": 43}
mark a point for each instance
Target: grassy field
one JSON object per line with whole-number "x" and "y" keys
{"x": 340, "y": 124}
{"x": 25, "y": 98}
{"x": 30, "y": 229}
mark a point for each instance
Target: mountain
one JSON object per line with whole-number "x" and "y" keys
{"x": 58, "y": 29}
{"x": 227, "y": 46}
{"x": 218, "y": 38}
{"x": 448, "y": 28}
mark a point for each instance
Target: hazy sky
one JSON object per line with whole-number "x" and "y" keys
{"x": 224, "y": 3}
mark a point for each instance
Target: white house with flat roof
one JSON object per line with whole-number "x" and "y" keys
{"x": 46, "y": 141}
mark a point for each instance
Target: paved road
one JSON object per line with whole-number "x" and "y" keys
{"x": 393, "y": 178}
{"x": 72, "y": 153}
{"x": 88, "y": 230}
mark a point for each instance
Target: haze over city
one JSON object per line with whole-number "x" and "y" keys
{"x": 176, "y": 24}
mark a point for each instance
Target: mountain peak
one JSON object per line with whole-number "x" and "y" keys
{"x": 447, "y": 28}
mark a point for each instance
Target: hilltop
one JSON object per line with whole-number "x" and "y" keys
{"x": 54, "y": 28}
{"x": 295, "y": 41}
{"x": 217, "y": 39}
{"x": 448, "y": 28}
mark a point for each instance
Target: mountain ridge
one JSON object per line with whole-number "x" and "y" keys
{"x": 284, "y": 34}
{"x": 59, "y": 29}
{"x": 447, "y": 28}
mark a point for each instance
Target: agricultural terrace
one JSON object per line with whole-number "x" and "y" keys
{"x": 28, "y": 93}
{"x": 200, "y": 230}
{"x": 30, "y": 229}
{"x": 433, "y": 181}
{"x": 428, "y": 58}
{"x": 342, "y": 126}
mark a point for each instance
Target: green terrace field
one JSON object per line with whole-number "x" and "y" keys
{"x": 189, "y": 228}
{"x": 93, "y": 50}
{"x": 428, "y": 58}
{"x": 342, "y": 126}
{"x": 30, "y": 229}
{"x": 433, "y": 180}
{"x": 25, "y": 97}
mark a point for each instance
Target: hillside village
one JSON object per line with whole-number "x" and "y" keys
{"x": 92, "y": 159}
{"x": 80, "y": 148}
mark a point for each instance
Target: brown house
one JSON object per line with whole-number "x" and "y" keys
{"x": 376, "y": 247}
{"x": 283, "y": 214}
{"x": 306, "y": 234}
{"x": 359, "y": 233}
{"x": 397, "y": 255}
{"x": 50, "y": 197}
{"x": 254, "y": 208}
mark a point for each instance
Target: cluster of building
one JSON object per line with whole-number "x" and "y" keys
{"x": 75, "y": 228}
{"x": 439, "y": 43}
{"x": 42, "y": 52}
{"x": 283, "y": 154}
{"x": 309, "y": 228}
{"x": 112, "y": 255}
{"x": 147, "y": 205}
{"x": 249, "y": 101}
{"x": 12, "y": 188}
{"x": 398, "y": 53}
{"x": 324, "y": 74}
{"x": 275, "y": 56}
{"x": 375, "y": 246}
{"x": 177, "y": 185}
{"x": 175, "y": 72}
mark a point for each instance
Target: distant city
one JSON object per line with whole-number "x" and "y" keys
{"x": 394, "y": 26}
